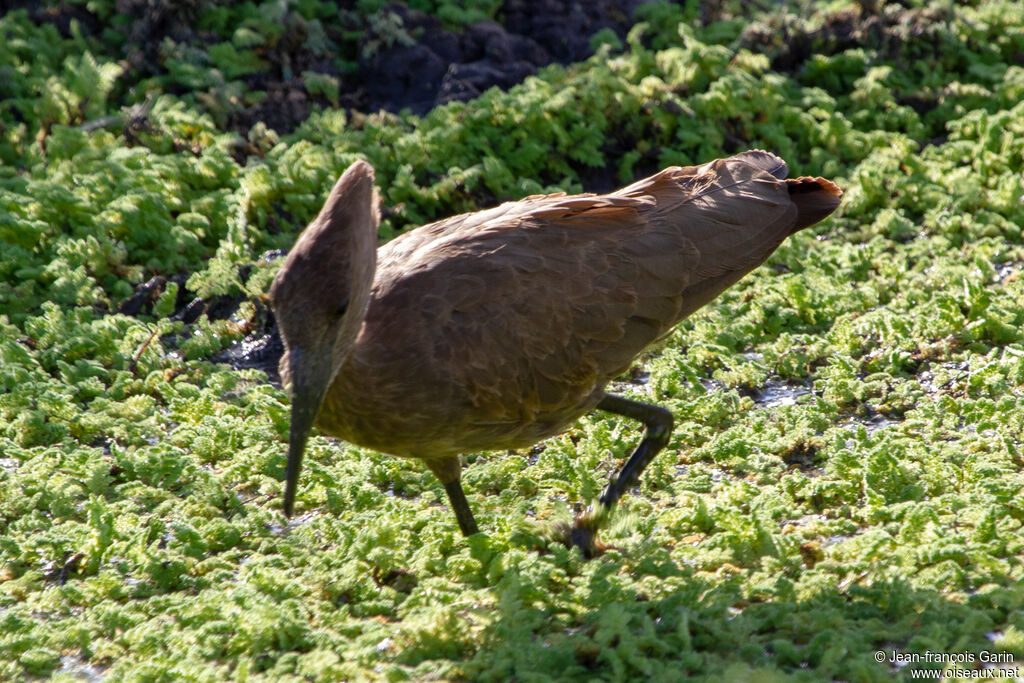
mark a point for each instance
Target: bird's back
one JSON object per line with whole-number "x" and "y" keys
{"x": 500, "y": 328}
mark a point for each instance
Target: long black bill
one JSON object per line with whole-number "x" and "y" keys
{"x": 308, "y": 387}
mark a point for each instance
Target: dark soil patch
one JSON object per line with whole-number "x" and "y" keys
{"x": 443, "y": 66}
{"x": 59, "y": 14}
{"x": 898, "y": 33}
{"x": 404, "y": 59}
{"x": 433, "y": 65}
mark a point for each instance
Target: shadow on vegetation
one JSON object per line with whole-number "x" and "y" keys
{"x": 706, "y": 624}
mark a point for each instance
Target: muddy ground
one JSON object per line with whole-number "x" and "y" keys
{"x": 405, "y": 59}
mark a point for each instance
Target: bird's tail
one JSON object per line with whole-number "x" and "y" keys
{"x": 815, "y": 198}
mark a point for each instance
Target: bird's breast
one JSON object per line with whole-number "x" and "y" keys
{"x": 409, "y": 410}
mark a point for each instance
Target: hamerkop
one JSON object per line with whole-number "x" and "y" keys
{"x": 497, "y": 329}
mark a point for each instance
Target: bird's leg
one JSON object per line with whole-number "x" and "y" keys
{"x": 449, "y": 471}
{"x": 461, "y": 508}
{"x": 659, "y": 422}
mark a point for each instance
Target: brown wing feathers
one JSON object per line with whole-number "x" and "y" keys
{"x": 574, "y": 287}
{"x": 765, "y": 161}
{"x": 707, "y": 227}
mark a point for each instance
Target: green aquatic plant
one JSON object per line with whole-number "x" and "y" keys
{"x": 844, "y": 476}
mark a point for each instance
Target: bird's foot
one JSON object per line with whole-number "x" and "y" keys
{"x": 583, "y": 532}
{"x": 587, "y": 541}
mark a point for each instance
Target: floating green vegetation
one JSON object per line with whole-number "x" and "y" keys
{"x": 845, "y": 475}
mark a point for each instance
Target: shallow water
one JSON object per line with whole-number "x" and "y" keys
{"x": 260, "y": 352}
{"x": 281, "y": 529}
{"x": 779, "y": 393}
{"x": 78, "y": 668}
{"x": 639, "y": 380}
{"x": 871, "y": 423}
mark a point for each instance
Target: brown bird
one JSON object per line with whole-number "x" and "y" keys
{"x": 498, "y": 329}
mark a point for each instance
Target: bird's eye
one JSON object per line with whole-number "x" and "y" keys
{"x": 342, "y": 307}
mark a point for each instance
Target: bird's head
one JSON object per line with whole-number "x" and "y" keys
{"x": 320, "y": 297}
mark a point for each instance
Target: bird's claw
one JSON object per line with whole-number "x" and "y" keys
{"x": 581, "y": 534}
{"x": 585, "y": 538}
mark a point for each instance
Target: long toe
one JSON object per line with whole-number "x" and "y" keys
{"x": 585, "y": 538}
{"x": 579, "y": 535}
